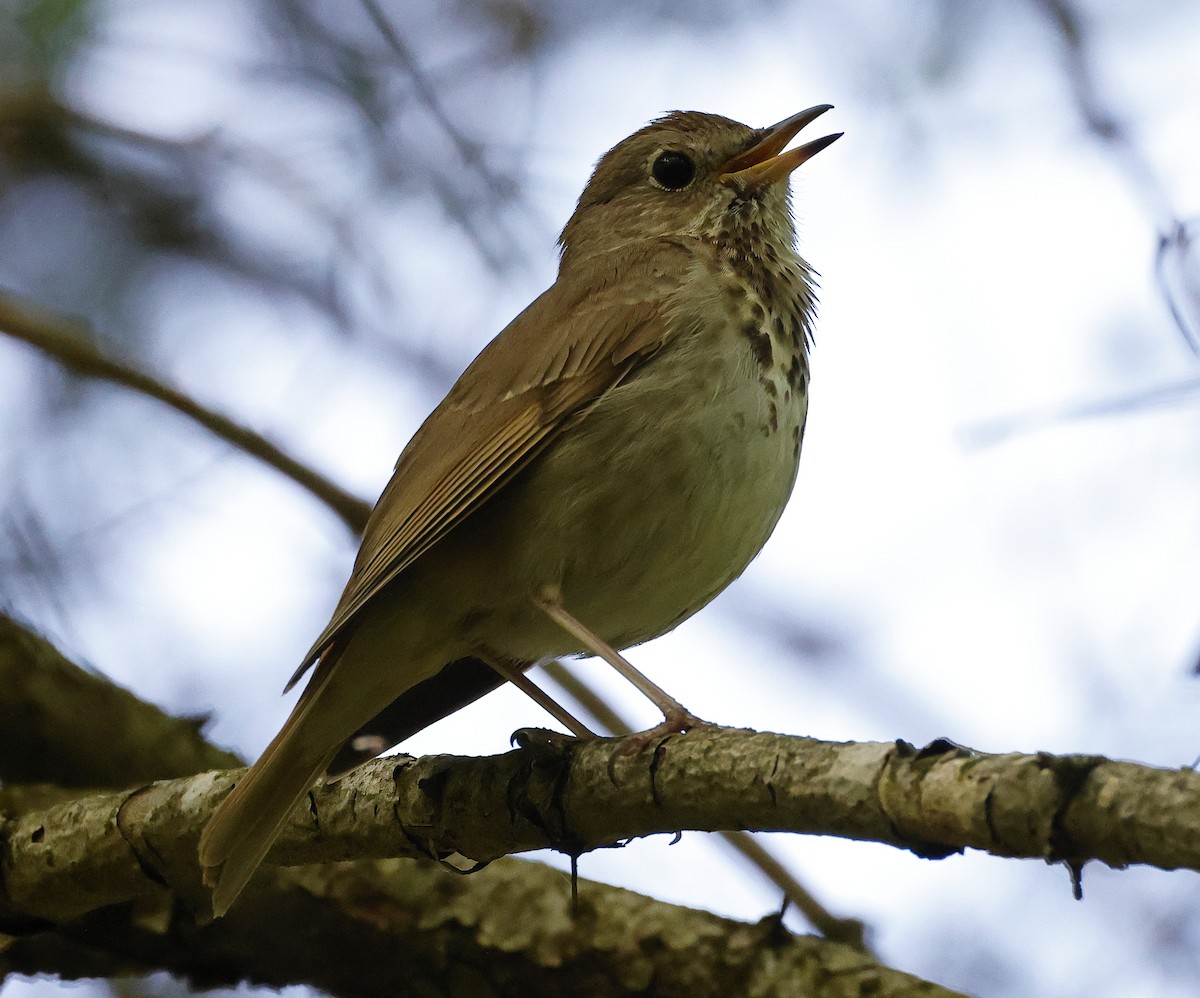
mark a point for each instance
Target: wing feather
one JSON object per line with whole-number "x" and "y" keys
{"x": 556, "y": 359}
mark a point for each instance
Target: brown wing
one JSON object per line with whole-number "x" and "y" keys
{"x": 565, "y": 351}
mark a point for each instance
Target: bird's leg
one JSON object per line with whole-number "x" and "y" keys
{"x": 676, "y": 717}
{"x": 539, "y": 696}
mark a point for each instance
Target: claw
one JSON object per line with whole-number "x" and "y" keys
{"x": 541, "y": 737}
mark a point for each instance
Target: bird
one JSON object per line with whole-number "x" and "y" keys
{"x": 605, "y": 467}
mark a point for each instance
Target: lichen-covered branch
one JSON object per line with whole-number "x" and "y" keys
{"x": 61, "y": 724}
{"x": 751, "y": 848}
{"x": 73, "y": 858}
{"x": 401, "y": 927}
{"x": 398, "y": 925}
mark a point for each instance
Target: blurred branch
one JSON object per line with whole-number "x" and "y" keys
{"x": 851, "y": 931}
{"x": 470, "y": 152}
{"x": 996, "y": 431}
{"x": 1177, "y": 271}
{"x": 578, "y": 796}
{"x": 366, "y": 85}
{"x": 1099, "y": 117}
{"x": 62, "y": 724}
{"x": 164, "y": 205}
{"x": 1175, "y": 267}
{"x": 204, "y": 152}
{"x": 1105, "y": 124}
{"x": 60, "y": 339}
{"x": 845, "y": 930}
{"x": 211, "y": 147}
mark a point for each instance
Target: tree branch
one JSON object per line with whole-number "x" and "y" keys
{"x": 59, "y": 338}
{"x": 402, "y": 927}
{"x": 845, "y": 930}
{"x": 1176, "y": 237}
{"x": 373, "y": 909}
{"x": 62, "y": 724}
{"x": 73, "y": 858}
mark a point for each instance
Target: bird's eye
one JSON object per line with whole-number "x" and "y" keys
{"x": 673, "y": 170}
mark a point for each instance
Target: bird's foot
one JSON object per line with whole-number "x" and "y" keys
{"x": 676, "y": 721}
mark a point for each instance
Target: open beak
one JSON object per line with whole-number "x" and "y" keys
{"x": 765, "y": 162}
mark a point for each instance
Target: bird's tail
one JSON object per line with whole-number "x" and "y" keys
{"x": 241, "y": 831}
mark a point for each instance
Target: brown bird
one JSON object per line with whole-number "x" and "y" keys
{"x": 605, "y": 467}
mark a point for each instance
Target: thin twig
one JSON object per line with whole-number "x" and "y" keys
{"x": 1107, "y": 126}
{"x": 1098, "y": 115}
{"x": 997, "y": 431}
{"x": 850, "y": 931}
{"x": 59, "y": 338}
{"x": 1177, "y": 245}
{"x": 468, "y": 150}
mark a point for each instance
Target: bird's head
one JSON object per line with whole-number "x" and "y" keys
{"x": 691, "y": 174}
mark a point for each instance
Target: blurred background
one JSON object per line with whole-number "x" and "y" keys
{"x": 310, "y": 216}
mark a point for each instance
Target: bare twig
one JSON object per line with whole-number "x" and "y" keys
{"x": 1181, "y": 289}
{"x": 850, "y": 931}
{"x": 1106, "y": 125}
{"x": 469, "y": 151}
{"x": 61, "y": 339}
{"x": 1099, "y": 117}
{"x": 996, "y": 431}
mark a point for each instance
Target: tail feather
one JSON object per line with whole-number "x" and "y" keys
{"x": 240, "y": 833}
{"x": 352, "y": 682}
